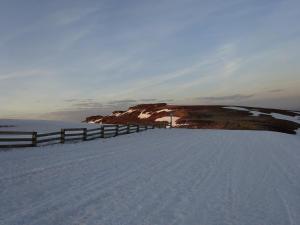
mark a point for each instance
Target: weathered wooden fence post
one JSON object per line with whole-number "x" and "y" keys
{"x": 117, "y": 130}
{"x": 62, "y": 136}
{"x": 128, "y": 128}
{"x": 146, "y": 127}
{"x": 138, "y": 128}
{"x": 34, "y": 139}
{"x": 102, "y": 132}
{"x": 84, "y": 134}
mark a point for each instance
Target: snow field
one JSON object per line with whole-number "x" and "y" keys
{"x": 41, "y": 125}
{"x": 159, "y": 177}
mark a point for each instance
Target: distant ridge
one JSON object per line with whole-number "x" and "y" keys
{"x": 206, "y": 117}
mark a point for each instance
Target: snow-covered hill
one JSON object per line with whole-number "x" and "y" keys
{"x": 158, "y": 177}
{"x": 206, "y": 117}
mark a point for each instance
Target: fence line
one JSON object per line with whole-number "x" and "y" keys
{"x": 33, "y": 139}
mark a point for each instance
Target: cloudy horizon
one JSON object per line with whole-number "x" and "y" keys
{"x": 71, "y": 59}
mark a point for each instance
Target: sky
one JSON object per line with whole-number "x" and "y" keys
{"x": 68, "y": 59}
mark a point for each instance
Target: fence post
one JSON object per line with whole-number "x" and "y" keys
{"x": 62, "y": 136}
{"x": 34, "y": 139}
{"x": 102, "y": 132}
{"x": 146, "y": 127}
{"x": 84, "y": 134}
{"x": 128, "y": 128}
{"x": 138, "y": 128}
{"x": 117, "y": 130}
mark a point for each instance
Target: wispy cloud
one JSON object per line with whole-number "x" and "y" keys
{"x": 218, "y": 64}
{"x": 125, "y": 101}
{"x": 236, "y": 97}
{"x": 69, "y": 16}
{"x": 276, "y": 90}
{"x": 88, "y": 105}
{"x": 148, "y": 100}
{"x": 79, "y": 100}
{"x": 80, "y": 104}
{"x": 23, "y": 74}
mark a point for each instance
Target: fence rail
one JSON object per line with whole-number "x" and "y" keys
{"x": 16, "y": 139}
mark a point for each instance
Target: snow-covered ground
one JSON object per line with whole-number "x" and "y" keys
{"x": 40, "y": 125}
{"x": 158, "y": 177}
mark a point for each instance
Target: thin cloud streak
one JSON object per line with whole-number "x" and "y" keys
{"x": 276, "y": 90}
{"x": 23, "y": 74}
{"x": 236, "y": 97}
{"x": 69, "y": 16}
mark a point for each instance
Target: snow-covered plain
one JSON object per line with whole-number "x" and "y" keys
{"x": 40, "y": 125}
{"x": 158, "y": 177}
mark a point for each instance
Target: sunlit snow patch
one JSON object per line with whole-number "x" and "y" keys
{"x": 130, "y": 111}
{"x": 164, "y": 110}
{"x": 256, "y": 113}
{"x": 295, "y": 119}
{"x": 117, "y": 114}
{"x": 236, "y": 108}
{"x": 144, "y": 115}
{"x": 168, "y": 119}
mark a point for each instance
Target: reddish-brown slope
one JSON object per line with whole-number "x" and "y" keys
{"x": 205, "y": 117}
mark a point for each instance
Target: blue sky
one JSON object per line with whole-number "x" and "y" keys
{"x": 69, "y": 59}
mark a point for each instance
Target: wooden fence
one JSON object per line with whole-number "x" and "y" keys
{"x": 15, "y": 139}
